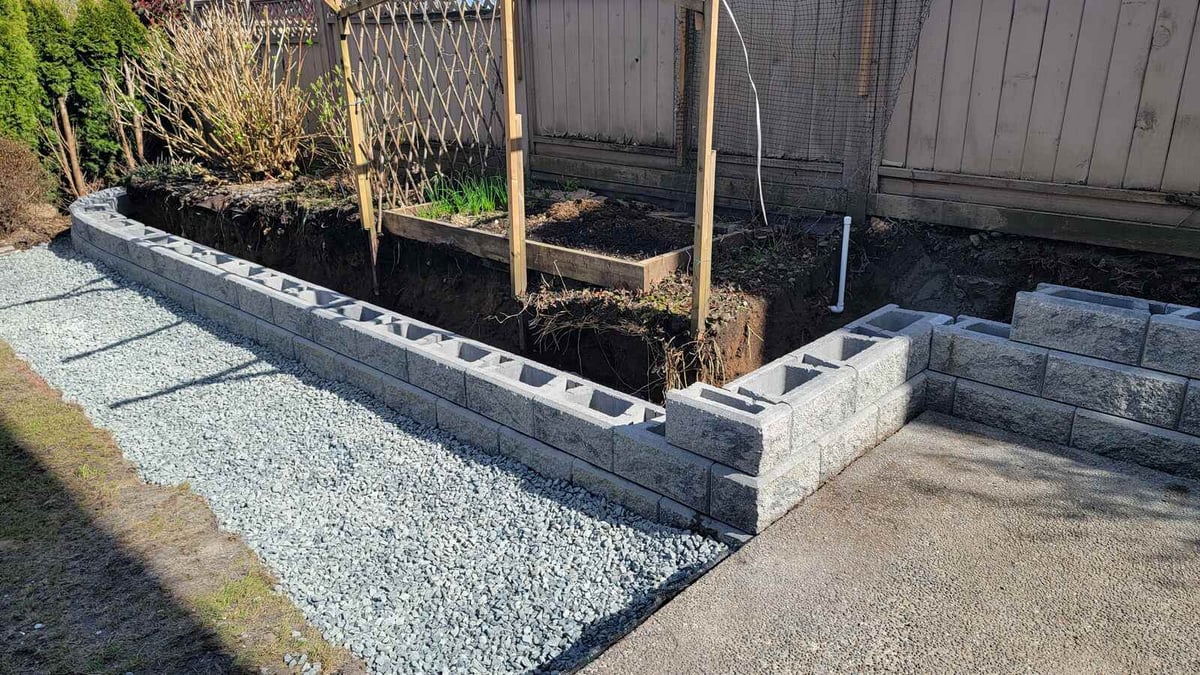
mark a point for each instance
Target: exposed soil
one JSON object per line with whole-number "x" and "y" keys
{"x": 770, "y": 293}
{"x": 42, "y": 223}
{"x": 588, "y": 222}
{"x": 101, "y": 573}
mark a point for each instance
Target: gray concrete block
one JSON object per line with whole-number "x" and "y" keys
{"x": 580, "y": 420}
{"x": 1126, "y": 391}
{"x": 143, "y": 253}
{"x": 674, "y": 514}
{"x": 1173, "y": 343}
{"x": 754, "y": 502}
{"x": 1013, "y": 411}
{"x": 820, "y": 395}
{"x": 323, "y": 362}
{"x": 224, "y": 315}
{"x": 901, "y": 405}
{"x": 881, "y": 363}
{"x": 894, "y": 321}
{"x": 505, "y": 391}
{"x": 614, "y": 488}
{"x": 853, "y": 438}
{"x": 1101, "y": 325}
{"x": 292, "y": 306}
{"x": 252, "y": 296}
{"x": 178, "y": 293}
{"x": 440, "y": 367}
{"x": 361, "y": 375}
{"x": 468, "y": 427}
{"x": 339, "y": 327}
{"x": 385, "y": 345}
{"x": 1189, "y": 420}
{"x": 981, "y": 350}
{"x": 414, "y": 403}
{"x": 1143, "y": 444}
{"x": 939, "y": 392}
{"x": 750, "y": 435}
{"x": 642, "y": 454}
{"x": 274, "y": 338}
{"x": 536, "y": 455}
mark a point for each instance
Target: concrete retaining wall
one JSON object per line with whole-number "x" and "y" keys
{"x": 727, "y": 461}
{"x": 1111, "y": 374}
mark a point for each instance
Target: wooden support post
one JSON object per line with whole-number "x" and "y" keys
{"x": 706, "y": 169}
{"x": 516, "y": 154}
{"x": 362, "y": 177}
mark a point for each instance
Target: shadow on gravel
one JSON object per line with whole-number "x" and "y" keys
{"x": 72, "y": 598}
{"x": 82, "y": 289}
{"x": 595, "y": 638}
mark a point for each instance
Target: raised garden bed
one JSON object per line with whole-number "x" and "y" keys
{"x": 579, "y": 236}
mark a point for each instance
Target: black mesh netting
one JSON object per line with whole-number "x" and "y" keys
{"x": 827, "y": 72}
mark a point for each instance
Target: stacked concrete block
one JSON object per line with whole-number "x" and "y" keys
{"x": 344, "y": 328}
{"x": 1100, "y": 325}
{"x": 848, "y": 442}
{"x": 981, "y": 350}
{"x": 939, "y": 392}
{"x": 913, "y": 327}
{"x": 386, "y": 343}
{"x": 880, "y": 364}
{"x": 1114, "y": 388}
{"x": 754, "y": 502}
{"x": 642, "y": 454}
{"x": 1173, "y": 342}
{"x": 1013, "y": 411}
{"x": 1189, "y": 418}
{"x": 901, "y": 405}
{"x": 819, "y": 394}
{"x": 442, "y": 366}
{"x": 745, "y": 433}
{"x": 1129, "y": 441}
{"x": 580, "y": 418}
{"x": 506, "y": 390}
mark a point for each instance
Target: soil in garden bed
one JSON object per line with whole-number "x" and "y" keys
{"x": 588, "y": 222}
{"x": 770, "y": 293}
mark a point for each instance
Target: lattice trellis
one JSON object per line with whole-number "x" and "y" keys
{"x": 428, "y": 80}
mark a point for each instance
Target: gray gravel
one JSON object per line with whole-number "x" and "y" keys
{"x": 415, "y": 551}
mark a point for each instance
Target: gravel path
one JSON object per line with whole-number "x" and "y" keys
{"x": 417, "y": 552}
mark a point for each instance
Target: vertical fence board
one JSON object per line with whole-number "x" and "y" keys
{"x": 956, "y": 83}
{"x": 1123, "y": 87}
{"x": 1050, "y": 91}
{"x": 826, "y": 48}
{"x": 1160, "y": 94}
{"x": 986, "y": 82}
{"x": 895, "y": 144}
{"x": 586, "y": 77}
{"x": 1093, "y": 58}
{"x": 1182, "y": 173}
{"x": 927, "y": 87}
{"x": 1016, "y": 94}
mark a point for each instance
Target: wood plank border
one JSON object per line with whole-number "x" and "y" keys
{"x": 591, "y": 268}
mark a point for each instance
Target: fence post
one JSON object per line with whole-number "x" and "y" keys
{"x": 516, "y": 154}
{"x": 362, "y": 177}
{"x": 706, "y": 170}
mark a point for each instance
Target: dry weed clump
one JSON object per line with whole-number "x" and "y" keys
{"x": 218, "y": 88}
{"x": 23, "y": 186}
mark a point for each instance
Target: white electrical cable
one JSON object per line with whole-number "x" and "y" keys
{"x": 757, "y": 110}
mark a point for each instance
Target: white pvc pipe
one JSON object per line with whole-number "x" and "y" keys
{"x": 841, "y": 300}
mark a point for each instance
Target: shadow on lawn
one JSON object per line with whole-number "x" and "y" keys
{"x": 72, "y": 597}
{"x": 595, "y": 638}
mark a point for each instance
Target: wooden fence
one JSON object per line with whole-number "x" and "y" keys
{"x": 1069, "y": 119}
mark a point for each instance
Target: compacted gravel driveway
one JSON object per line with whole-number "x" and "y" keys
{"x": 417, "y": 552}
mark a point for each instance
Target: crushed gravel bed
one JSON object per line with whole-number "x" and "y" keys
{"x": 417, "y": 552}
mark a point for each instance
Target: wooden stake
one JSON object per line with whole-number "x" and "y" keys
{"x": 362, "y": 177}
{"x": 706, "y": 169}
{"x": 516, "y": 154}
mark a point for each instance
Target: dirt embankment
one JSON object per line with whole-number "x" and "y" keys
{"x": 770, "y": 294}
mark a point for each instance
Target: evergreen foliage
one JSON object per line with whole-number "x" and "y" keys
{"x": 18, "y": 75}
